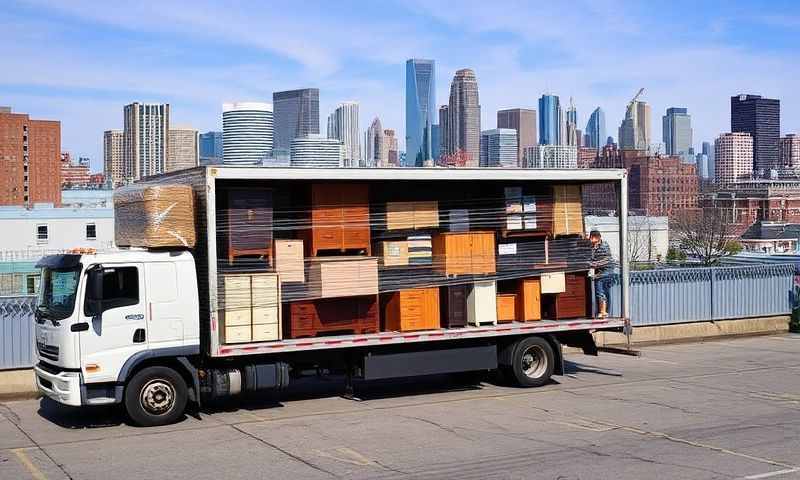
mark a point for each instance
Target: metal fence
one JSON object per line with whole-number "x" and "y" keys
{"x": 17, "y": 332}
{"x": 661, "y": 297}
{"x": 657, "y": 297}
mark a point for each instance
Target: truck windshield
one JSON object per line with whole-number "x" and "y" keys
{"x": 57, "y": 292}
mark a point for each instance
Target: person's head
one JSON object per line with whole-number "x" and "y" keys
{"x": 594, "y": 237}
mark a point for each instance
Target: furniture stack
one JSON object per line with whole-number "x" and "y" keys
{"x": 250, "y": 310}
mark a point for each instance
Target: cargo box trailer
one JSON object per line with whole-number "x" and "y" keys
{"x": 235, "y": 279}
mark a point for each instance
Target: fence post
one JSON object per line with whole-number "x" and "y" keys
{"x": 713, "y": 274}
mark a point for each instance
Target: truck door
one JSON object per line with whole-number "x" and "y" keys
{"x": 119, "y": 330}
{"x": 164, "y": 305}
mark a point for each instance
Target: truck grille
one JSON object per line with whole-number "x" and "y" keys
{"x": 49, "y": 352}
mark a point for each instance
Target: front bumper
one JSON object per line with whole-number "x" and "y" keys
{"x": 63, "y": 387}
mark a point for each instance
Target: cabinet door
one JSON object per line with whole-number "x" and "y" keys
{"x": 456, "y": 306}
{"x": 482, "y": 247}
{"x": 529, "y": 300}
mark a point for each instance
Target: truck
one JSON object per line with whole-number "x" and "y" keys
{"x": 145, "y": 327}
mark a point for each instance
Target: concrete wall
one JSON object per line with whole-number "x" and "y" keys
{"x": 648, "y": 237}
{"x": 63, "y": 233}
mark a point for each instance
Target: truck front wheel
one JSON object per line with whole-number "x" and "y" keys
{"x": 532, "y": 362}
{"x": 155, "y": 396}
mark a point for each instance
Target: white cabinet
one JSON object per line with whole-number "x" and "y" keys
{"x": 482, "y": 303}
{"x": 250, "y": 307}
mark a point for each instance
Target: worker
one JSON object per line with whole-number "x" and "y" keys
{"x": 603, "y": 266}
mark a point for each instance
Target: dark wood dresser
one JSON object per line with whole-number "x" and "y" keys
{"x": 454, "y": 306}
{"x": 351, "y": 315}
{"x": 249, "y": 218}
{"x": 339, "y": 218}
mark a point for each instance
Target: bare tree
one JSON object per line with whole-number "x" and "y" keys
{"x": 639, "y": 239}
{"x": 705, "y": 234}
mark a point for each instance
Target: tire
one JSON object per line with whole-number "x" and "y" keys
{"x": 156, "y": 396}
{"x": 532, "y": 364}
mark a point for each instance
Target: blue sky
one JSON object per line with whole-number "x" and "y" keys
{"x": 81, "y": 61}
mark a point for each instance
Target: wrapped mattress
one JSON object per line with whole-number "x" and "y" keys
{"x": 154, "y": 216}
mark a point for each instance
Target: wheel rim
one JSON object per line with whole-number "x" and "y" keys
{"x": 157, "y": 397}
{"x": 534, "y": 361}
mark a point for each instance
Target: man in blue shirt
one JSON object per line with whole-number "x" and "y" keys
{"x": 603, "y": 264}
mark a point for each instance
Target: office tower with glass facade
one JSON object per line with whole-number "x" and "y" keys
{"x": 499, "y": 148}
{"x": 296, "y": 114}
{"x": 677, "y": 132}
{"x": 524, "y": 122}
{"x": 550, "y": 120}
{"x": 420, "y": 110}
{"x": 343, "y": 126}
{"x": 211, "y": 150}
{"x": 247, "y": 132}
{"x": 596, "y": 129}
{"x": 462, "y": 133}
{"x": 761, "y": 118}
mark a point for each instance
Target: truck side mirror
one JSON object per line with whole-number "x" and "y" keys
{"x": 94, "y": 293}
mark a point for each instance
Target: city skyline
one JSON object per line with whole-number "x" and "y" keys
{"x": 514, "y": 64}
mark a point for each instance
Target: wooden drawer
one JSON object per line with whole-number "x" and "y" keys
{"x": 348, "y": 315}
{"x": 266, "y": 332}
{"x": 506, "y": 307}
{"x": 263, "y": 315}
{"x": 529, "y": 300}
{"x": 413, "y": 309}
{"x": 237, "y": 334}
{"x": 289, "y": 260}
{"x": 482, "y": 303}
{"x": 236, "y": 316}
{"x": 342, "y": 276}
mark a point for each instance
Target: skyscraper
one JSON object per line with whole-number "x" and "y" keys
{"x": 343, "y": 126}
{"x": 634, "y": 132}
{"x": 247, "y": 132}
{"x": 499, "y": 148}
{"x": 376, "y": 153}
{"x": 708, "y": 150}
{"x": 463, "y": 131}
{"x": 550, "y": 120}
{"x": 790, "y": 152}
{"x": 677, "y": 131}
{"x": 761, "y": 118}
{"x": 211, "y": 150}
{"x": 390, "y": 147}
{"x": 113, "y": 166}
{"x": 523, "y": 121}
{"x": 184, "y": 149}
{"x": 420, "y": 110}
{"x": 296, "y": 114}
{"x": 571, "y": 124}
{"x": 145, "y": 139}
{"x": 734, "y": 157}
{"x": 596, "y": 129}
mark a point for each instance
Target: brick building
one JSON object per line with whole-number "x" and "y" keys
{"x": 30, "y": 160}
{"x": 745, "y": 203}
{"x": 74, "y": 174}
{"x": 660, "y": 185}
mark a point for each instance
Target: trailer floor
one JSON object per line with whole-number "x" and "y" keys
{"x": 723, "y": 409}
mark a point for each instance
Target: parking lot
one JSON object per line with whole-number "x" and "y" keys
{"x": 723, "y": 409}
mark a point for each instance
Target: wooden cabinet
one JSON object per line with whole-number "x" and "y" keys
{"x": 342, "y": 276}
{"x": 573, "y": 302}
{"x": 289, "y": 260}
{"x": 457, "y": 253}
{"x": 395, "y": 253}
{"x": 412, "y": 215}
{"x": 529, "y": 300}
{"x": 454, "y": 306}
{"x": 339, "y": 218}
{"x": 249, "y": 307}
{"x": 567, "y": 210}
{"x": 555, "y": 282}
{"x": 339, "y": 315}
{"x": 413, "y": 309}
{"x": 482, "y": 303}
{"x": 249, "y": 223}
{"x": 506, "y": 307}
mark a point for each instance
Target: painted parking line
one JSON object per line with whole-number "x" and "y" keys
{"x": 36, "y": 474}
{"x": 772, "y": 474}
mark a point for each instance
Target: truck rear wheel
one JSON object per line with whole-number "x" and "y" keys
{"x": 155, "y": 396}
{"x": 532, "y": 362}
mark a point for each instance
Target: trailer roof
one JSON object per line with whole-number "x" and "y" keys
{"x": 431, "y": 173}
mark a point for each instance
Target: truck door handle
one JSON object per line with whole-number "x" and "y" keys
{"x": 79, "y": 327}
{"x": 138, "y": 335}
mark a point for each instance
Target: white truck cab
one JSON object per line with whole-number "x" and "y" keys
{"x": 100, "y": 317}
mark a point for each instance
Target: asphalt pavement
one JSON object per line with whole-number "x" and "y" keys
{"x": 714, "y": 410}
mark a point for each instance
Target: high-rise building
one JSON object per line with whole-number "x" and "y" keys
{"x": 790, "y": 152}
{"x": 677, "y": 131}
{"x": 247, "y": 132}
{"x": 596, "y": 129}
{"x": 390, "y": 147}
{"x": 444, "y": 122}
{"x": 523, "y": 121}
{"x": 550, "y": 120}
{"x": 761, "y": 118}
{"x": 317, "y": 151}
{"x": 499, "y": 148}
{"x": 30, "y": 170}
{"x": 571, "y": 135}
{"x": 184, "y": 149}
{"x": 462, "y": 132}
{"x": 660, "y": 185}
{"x": 376, "y": 153}
{"x": 145, "y": 139}
{"x": 113, "y": 165}
{"x": 420, "y": 110}
{"x": 733, "y": 157}
{"x": 211, "y": 149}
{"x": 552, "y": 156}
{"x": 343, "y": 126}
{"x": 436, "y": 141}
{"x": 634, "y": 132}
{"x": 707, "y": 149}
{"x": 296, "y": 116}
